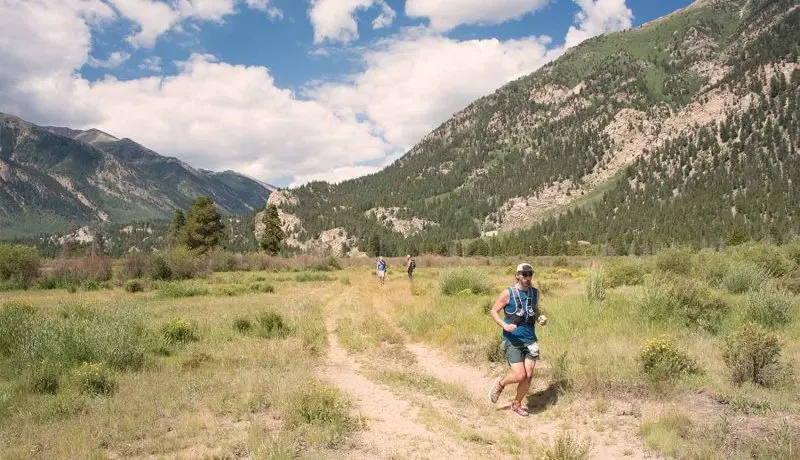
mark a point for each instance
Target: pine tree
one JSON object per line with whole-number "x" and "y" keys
{"x": 176, "y": 227}
{"x": 273, "y": 234}
{"x": 204, "y": 228}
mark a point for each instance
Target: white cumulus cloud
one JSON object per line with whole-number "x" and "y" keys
{"x": 153, "y": 18}
{"x": 411, "y": 84}
{"x": 335, "y": 20}
{"x": 598, "y": 17}
{"x": 114, "y": 59}
{"x": 447, "y": 14}
{"x": 220, "y": 116}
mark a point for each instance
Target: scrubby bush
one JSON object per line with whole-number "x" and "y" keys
{"x": 80, "y": 271}
{"x": 712, "y": 266}
{"x": 219, "y": 260}
{"x": 44, "y": 377}
{"x": 134, "y": 285}
{"x": 181, "y": 289}
{"x": 135, "y": 265}
{"x": 771, "y": 258}
{"x": 455, "y": 281}
{"x": 96, "y": 379}
{"x": 675, "y": 260}
{"x": 272, "y": 325}
{"x": 186, "y": 264}
{"x": 684, "y": 301}
{"x": 243, "y": 325}
{"x": 769, "y": 308}
{"x": 565, "y": 447}
{"x": 159, "y": 269}
{"x": 19, "y": 264}
{"x": 751, "y": 353}
{"x": 595, "y": 286}
{"x": 743, "y": 277}
{"x": 621, "y": 272}
{"x": 661, "y": 359}
{"x": 179, "y": 330}
{"x": 262, "y": 287}
{"x": 306, "y": 277}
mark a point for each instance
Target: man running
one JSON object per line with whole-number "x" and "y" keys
{"x": 381, "y": 269}
{"x": 520, "y": 305}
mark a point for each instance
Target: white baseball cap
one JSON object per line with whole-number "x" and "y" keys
{"x": 524, "y": 267}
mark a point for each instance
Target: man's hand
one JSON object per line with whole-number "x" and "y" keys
{"x": 509, "y": 327}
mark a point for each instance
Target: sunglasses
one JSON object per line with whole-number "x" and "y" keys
{"x": 526, "y": 274}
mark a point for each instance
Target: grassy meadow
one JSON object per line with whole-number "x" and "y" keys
{"x": 700, "y": 348}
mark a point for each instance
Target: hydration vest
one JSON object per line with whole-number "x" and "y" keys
{"x": 522, "y": 314}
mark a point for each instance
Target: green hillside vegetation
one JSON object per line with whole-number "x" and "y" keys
{"x": 460, "y": 175}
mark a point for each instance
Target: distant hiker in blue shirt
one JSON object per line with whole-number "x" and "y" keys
{"x": 520, "y": 305}
{"x": 381, "y": 269}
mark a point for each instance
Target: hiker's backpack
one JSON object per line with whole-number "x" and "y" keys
{"x": 413, "y": 264}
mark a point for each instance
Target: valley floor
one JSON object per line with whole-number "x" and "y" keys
{"x": 334, "y": 365}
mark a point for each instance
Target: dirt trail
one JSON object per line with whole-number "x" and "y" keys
{"x": 392, "y": 429}
{"x": 397, "y": 427}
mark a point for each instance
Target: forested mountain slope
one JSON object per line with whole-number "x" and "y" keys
{"x": 56, "y": 179}
{"x": 682, "y": 130}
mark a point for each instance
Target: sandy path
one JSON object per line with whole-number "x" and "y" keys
{"x": 397, "y": 428}
{"x": 391, "y": 427}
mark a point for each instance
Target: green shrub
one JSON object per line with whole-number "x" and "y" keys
{"x": 319, "y": 404}
{"x": 455, "y": 281}
{"x": 660, "y": 359}
{"x": 159, "y": 269}
{"x": 96, "y": 379}
{"x": 752, "y": 354}
{"x": 769, "y": 308}
{"x": 595, "y": 286}
{"x": 272, "y": 326}
{"x": 769, "y": 257}
{"x": 621, "y": 272}
{"x": 19, "y": 263}
{"x": 684, "y": 301}
{"x": 243, "y": 325}
{"x": 44, "y": 377}
{"x": 792, "y": 251}
{"x": 743, "y": 277}
{"x": 179, "y": 330}
{"x": 134, "y": 285}
{"x": 262, "y": 287}
{"x": 306, "y": 277}
{"x": 185, "y": 264}
{"x": 181, "y": 289}
{"x": 712, "y": 266}
{"x": 675, "y": 260}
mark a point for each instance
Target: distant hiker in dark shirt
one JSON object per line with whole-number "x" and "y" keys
{"x": 520, "y": 306}
{"x": 411, "y": 264}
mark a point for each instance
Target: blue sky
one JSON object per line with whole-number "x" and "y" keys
{"x": 282, "y": 90}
